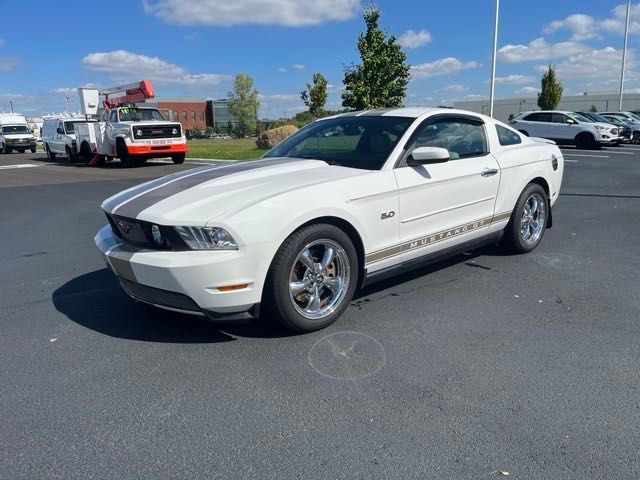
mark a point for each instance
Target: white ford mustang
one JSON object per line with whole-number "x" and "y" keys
{"x": 344, "y": 201}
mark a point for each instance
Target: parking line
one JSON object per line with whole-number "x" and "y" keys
{"x": 583, "y": 155}
{"x": 571, "y": 161}
{"x": 607, "y": 150}
{"x": 21, "y": 165}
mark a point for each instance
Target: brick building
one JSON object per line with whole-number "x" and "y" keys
{"x": 194, "y": 112}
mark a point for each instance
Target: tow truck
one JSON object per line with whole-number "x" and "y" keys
{"x": 129, "y": 131}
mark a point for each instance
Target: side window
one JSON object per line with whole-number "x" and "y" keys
{"x": 507, "y": 136}
{"x": 559, "y": 118}
{"x": 538, "y": 117}
{"x": 463, "y": 138}
{"x": 113, "y": 116}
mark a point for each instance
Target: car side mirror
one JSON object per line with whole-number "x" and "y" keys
{"x": 60, "y": 130}
{"x": 428, "y": 155}
{"x": 571, "y": 121}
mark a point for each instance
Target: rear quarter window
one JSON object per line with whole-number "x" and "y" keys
{"x": 507, "y": 136}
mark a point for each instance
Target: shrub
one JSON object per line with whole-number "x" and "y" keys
{"x": 271, "y": 138}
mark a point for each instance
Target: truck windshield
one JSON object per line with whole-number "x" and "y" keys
{"x": 15, "y": 129}
{"x": 140, "y": 114}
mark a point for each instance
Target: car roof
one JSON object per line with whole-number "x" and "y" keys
{"x": 410, "y": 112}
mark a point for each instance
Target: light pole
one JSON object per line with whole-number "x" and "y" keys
{"x": 493, "y": 58}
{"x": 11, "y": 103}
{"x": 624, "y": 54}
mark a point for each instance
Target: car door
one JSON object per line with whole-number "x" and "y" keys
{"x": 56, "y": 143}
{"x": 564, "y": 128}
{"x": 442, "y": 204}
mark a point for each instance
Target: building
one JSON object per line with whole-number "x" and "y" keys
{"x": 196, "y": 113}
{"x": 504, "y": 108}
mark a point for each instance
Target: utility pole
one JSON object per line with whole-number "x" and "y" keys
{"x": 624, "y": 54}
{"x": 493, "y": 58}
{"x": 11, "y": 103}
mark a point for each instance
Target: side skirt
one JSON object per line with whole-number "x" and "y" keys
{"x": 431, "y": 258}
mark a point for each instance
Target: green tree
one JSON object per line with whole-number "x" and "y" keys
{"x": 209, "y": 131}
{"x": 196, "y": 131}
{"x": 244, "y": 104}
{"x": 551, "y": 91}
{"x": 593, "y": 108}
{"x": 380, "y": 81}
{"x": 315, "y": 96}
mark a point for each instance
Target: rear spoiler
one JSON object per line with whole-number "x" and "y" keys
{"x": 542, "y": 140}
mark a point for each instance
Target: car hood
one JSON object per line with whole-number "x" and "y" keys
{"x": 196, "y": 196}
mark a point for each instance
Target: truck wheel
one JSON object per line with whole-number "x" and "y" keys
{"x": 21, "y": 150}
{"x": 6, "y": 149}
{"x": 85, "y": 152}
{"x": 50, "y": 155}
{"x": 178, "y": 158}
{"x": 312, "y": 278}
{"x": 71, "y": 157}
{"x": 126, "y": 160}
{"x": 33, "y": 150}
{"x": 528, "y": 221}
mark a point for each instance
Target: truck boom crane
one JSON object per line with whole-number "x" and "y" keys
{"x": 134, "y": 92}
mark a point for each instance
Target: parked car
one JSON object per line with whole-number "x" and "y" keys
{"x": 629, "y": 116}
{"x": 59, "y": 137}
{"x": 566, "y": 128}
{"x": 294, "y": 234}
{"x": 15, "y": 134}
{"x": 630, "y": 131}
{"x": 623, "y": 131}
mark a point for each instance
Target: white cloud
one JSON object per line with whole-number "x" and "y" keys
{"x": 444, "y": 66}
{"x": 65, "y": 90}
{"x": 583, "y": 26}
{"x": 539, "y": 49}
{"x": 454, "y": 88}
{"x": 136, "y": 66}
{"x": 411, "y": 39}
{"x": 281, "y": 69}
{"x": 615, "y": 24}
{"x": 599, "y": 64}
{"x": 293, "y": 13}
{"x": 282, "y": 96}
{"x": 513, "y": 79}
{"x": 474, "y": 96}
{"x": 528, "y": 91}
{"x": 297, "y": 66}
{"x": 8, "y": 64}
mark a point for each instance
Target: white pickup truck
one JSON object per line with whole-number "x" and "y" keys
{"x": 134, "y": 134}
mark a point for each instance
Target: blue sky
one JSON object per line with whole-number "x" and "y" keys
{"x": 194, "y": 47}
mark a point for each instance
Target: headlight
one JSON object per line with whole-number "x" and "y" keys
{"x": 207, "y": 238}
{"x": 139, "y": 132}
{"x": 156, "y": 234}
{"x": 174, "y": 131}
{"x": 598, "y": 127}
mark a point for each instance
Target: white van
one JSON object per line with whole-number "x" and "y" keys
{"x": 15, "y": 134}
{"x": 59, "y": 137}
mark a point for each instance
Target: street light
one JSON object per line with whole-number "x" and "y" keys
{"x": 624, "y": 54}
{"x": 11, "y": 103}
{"x": 493, "y": 58}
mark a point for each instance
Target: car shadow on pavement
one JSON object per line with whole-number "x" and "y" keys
{"x": 113, "y": 164}
{"x": 96, "y": 301}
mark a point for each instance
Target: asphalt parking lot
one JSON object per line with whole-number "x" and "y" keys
{"x": 527, "y": 364}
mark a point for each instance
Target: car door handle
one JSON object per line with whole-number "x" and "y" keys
{"x": 487, "y": 172}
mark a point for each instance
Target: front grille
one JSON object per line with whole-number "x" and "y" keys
{"x": 156, "y": 131}
{"x": 163, "y": 298}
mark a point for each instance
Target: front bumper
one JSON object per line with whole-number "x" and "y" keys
{"x": 17, "y": 144}
{"x": 189, "y": 282}
{"x": 157, "y": 149}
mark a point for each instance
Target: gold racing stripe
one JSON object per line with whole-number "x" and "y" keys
{"x": 435, "y": 238}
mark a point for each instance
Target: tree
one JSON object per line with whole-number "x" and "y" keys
{"x": 593, "y": 109}
{"x": 315, "y": 96}
{"x": 244, "y": 104}
{"x": 209, "y": 131}
{"x": 551, "y": 91}
{"x": 380, "y": 81}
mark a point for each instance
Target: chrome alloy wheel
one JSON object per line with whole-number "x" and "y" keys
{"x": 319, "y": 279}
{"x": 533, "y": 219}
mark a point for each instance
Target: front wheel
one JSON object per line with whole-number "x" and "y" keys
{"x": 33, "y": 150}
{"x": 126, "y": 160}
{"x": 178, "y": 158}
{"x": 586, "y": 141}
{"x": 50, "y": 155}
{"x": 312, "y": 278}
{"x": 6, "y": 149}
{"x": 528, "y": 221}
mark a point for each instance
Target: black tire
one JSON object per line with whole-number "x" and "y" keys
{"x": 50, "y": 155}
{"x": 85, "y": 152}
{"x": 71, "y": 157}
{"x": 140, "y": 161}
{"x": 178, "y": 158}
{"x": 513, "y": 233}
{"x": 126, "y": 160}
{"x": 524, "y": 132}
{"x": 277, "y": 303}
{"x": 585, "y": 141}
{"x": 20, "y": 150}
{"x": 6, "y": 149}
{"x": 33, "y": 150}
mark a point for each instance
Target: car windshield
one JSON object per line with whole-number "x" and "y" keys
{"x": 358, "y": 142}
{"x": 15, "y": 129}
{"x": 69, "y": 127}
{"x": 599, "y": 118}
{"x": 579, "y": 118}
{"x": 132, "y": 114}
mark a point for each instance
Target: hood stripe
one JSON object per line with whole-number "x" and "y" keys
{"x": 133, "y": 206}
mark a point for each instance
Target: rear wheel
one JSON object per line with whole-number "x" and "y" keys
{"x": 85, "y": 152}
{"x": 71, "y": 157}
{"x": 178, "y": 158}
{"x": 312, "y": 278}
{"x": 528, "y": 221}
